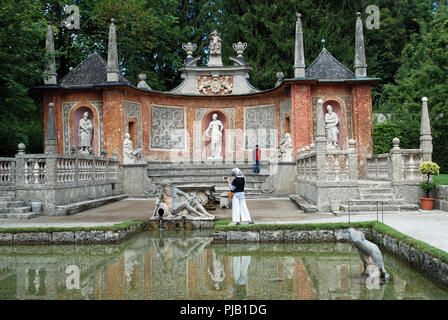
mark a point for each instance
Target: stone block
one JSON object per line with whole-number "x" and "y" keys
{"x": 220, "y": 236}
{"x": 93, "y": 236}
{"x": 341, "y": 235}
{"x": 63, "y": 237}
{"x": 274, "y": 235}
{"x": 403, "y": 250}
{"x": 112, "y": 236}
{"x": 6, "y": 237}
{"x": 321, "y": 235}
{"x": 32, "y": 237}
{"x": 299, "y": 235}
{"x": 207, "y": 224}
{"x": 243, "y": 236}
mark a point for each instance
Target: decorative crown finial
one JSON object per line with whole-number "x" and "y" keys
{"x": 112, "y": 20}
{"x": 358, "y": 14}
{"x": 299, "y": 15}
{"x": 323, "y": 43}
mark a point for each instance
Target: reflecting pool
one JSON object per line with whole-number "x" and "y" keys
{"x": 187, "y": 265}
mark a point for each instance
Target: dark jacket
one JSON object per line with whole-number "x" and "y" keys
{"x": 239, "y": 183}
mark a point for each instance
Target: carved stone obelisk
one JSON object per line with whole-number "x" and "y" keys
{"x": 50, "y": 67}
{"x": 360, "y": 54}
{"x": 113, "y": 74}
{"x": 299, "y": 56}
{"x": 425, "y": 132}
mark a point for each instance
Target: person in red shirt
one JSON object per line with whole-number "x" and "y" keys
{"x": 256, "y": 156}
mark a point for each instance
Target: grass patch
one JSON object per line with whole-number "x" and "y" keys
{"x": 222, "y": 225}
{"x": 441, "y": 179}
{"x": 115, "y": 227}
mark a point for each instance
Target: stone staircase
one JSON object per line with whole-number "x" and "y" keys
{"x": 14, "y": 209}
{"x": 370, "y": 192}
{"x": 209, "y": 173}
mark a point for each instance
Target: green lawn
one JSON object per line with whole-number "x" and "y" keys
{"x": 440, "y": 179}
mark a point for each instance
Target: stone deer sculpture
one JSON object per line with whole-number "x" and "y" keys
{"x": 370, "y": 255}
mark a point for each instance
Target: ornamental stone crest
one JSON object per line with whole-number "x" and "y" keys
{"x": 215, "y": 84}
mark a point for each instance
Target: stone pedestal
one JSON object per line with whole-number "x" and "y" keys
{"x": 133, "y": 177}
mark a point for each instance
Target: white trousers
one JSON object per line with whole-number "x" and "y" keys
{"x": 239, "y": 210}
{"x": 240, "y": 266}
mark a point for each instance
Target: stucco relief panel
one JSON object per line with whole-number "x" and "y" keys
{"x": 259, "y": 127}
{"x": 168, "y": 128}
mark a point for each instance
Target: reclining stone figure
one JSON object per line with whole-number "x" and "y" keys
{"x": 169, "y": 205}
{"x": 371, "y": 256}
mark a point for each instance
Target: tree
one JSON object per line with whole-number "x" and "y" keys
{"x": 22, "y": 34}
{"x": 424, "y": 73}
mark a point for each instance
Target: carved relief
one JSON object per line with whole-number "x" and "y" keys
{"x": 259, "y": 124}
{"x": 167, "y": 128}
{"x": 215, "y": 84}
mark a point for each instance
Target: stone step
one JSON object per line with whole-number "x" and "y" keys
{"x": 20, "y": 210}
{"x": 376, "y": 196}
{"x": 303, "y": 204}
{"x": 374, "y": 183}
{"x": 23, "y": 215}
{"x": 368, "y": 209}
{"x": 375, "y": 190}
{"x": 375, "y": 201}
{"x": 12, "y": 204}
{"x": 154, "y": 165}
{"x": 203, "y": 171}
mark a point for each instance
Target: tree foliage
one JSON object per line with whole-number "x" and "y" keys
{"x": 408, "y": 51}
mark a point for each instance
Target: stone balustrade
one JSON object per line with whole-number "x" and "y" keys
{"x": 57, "y": 179}
{"x": 339, "y": 165}
{"x": 398, "y": 165}
{"x": 7, "y": 171}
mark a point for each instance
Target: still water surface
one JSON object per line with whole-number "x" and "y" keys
{"x": 186, "y": 265}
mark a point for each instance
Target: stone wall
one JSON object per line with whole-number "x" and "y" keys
{"x": 87, "y": 236}
{"x": 441, "y": 202}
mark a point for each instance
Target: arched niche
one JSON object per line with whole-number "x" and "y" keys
{"x": 337, "y": 108}
{"x": 206, "y": 119}
{"x": 75, "y": 115}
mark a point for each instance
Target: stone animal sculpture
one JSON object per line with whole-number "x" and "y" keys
{"x": 370, "y": 255}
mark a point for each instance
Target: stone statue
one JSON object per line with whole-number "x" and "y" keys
{"x": 215, "y": 43}
{"x": 331, "y": 126}
{"x": 85, "y": 131}
{"x": 285, "y": 150}
{"x": 370, "y": 255}
{"x": 170, "y": 205}
{"x": 130, "y": 156}
{"x": 216, "y": 128}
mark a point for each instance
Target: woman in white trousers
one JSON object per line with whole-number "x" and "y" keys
{"x": 240, "y": 213}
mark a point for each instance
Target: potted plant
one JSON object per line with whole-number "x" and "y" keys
{"x": 429, "y": 168}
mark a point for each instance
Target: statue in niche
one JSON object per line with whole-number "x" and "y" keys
{"x": 85, "y": 131}
{"x": 331, "y": 127}
{"x": 285, "y": 150}
{"x": 216, "y": 128}
{"x": 215, "y": 43}
{"x": 130, "y": 156}
{"x": 170, "y": 205}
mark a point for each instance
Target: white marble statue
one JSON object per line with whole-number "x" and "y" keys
{"x": 130, "y": 156}
{"x": 331, "y": 127}
{"x": 285, "y": 150}
{"x": 216, "y": 128}
{"x": 85, "y": 131}
{"x": 215, "y": 43}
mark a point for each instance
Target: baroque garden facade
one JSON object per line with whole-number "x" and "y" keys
{"x": 106, "y": 137}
